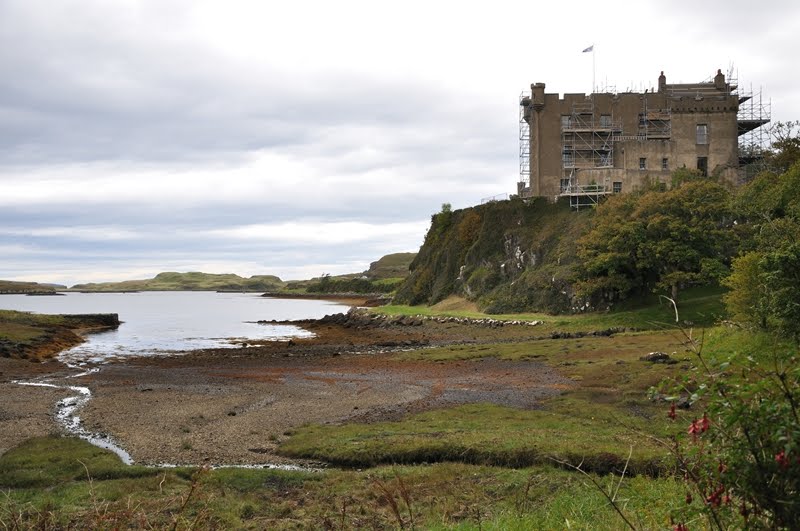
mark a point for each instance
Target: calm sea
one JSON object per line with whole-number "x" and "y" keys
{"x": 161, "y": 322}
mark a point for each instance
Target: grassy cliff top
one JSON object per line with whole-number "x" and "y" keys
{"x": 390, "y": 266}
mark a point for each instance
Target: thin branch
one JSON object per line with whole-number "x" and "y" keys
{"x": 627, "y": 461}
{"x": 674, "y": 305}
{"x": 599, "y": 487}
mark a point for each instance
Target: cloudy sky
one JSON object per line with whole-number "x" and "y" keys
{"x": 296, "y": 138}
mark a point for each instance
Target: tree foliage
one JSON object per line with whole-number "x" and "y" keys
{"x": 658, "y": 240}
{"x": 765, "y": 279}
{"x": 785, "y": 151}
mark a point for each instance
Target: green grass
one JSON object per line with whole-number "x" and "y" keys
{"x": 700, "y": 306}
{"x": 48, "y": 461}
{"x": 596, "y": 423}
{"x": 37, "y": 336}
{"x": 27, "y": 318}
{"x": 391, "y": 266}
{"x": 24, "y": 327}
{"x": 440, "y": 496}
{"x": 482, "y": 434}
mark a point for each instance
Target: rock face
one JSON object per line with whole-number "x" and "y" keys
{"x": 92, "y": 320}
{"x": 508, "y": 256}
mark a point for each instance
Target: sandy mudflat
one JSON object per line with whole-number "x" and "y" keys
{"x": 26, "y": 411}
{"x": 232, "y": 406}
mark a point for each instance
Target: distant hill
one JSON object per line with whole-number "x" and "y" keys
{"x": 383, "y": 276}
{"x": 192, "y": 281}
{"x": 390, "y": 266}
{"x": 12, "y": 286}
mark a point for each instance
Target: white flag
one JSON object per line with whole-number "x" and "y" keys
{"x": 589, "y": 49}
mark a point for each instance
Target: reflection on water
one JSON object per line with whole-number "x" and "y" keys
{"x": 159, "y": 322}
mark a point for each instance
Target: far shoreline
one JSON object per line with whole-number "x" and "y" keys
{"x": 350, "y": 299}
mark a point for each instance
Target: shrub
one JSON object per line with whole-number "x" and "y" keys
{"x": 741, "y": 458}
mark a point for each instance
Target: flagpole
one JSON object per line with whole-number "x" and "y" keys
{"x": 591, "y": 49}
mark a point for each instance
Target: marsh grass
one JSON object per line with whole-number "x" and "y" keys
{"x": 439, "y": 496}
{"x": 594, "y": 422}
{"x": 50, "y": 461}
{"x": 484, "y": 434}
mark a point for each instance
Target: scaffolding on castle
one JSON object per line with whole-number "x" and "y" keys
{"x": 584, "y": 195}
{"x": 654, "y": 124}
{"x": 587, "y": 145}
{"x": 754, "y": 139}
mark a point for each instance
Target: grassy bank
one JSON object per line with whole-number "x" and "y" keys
{"x": 87, "y": 487}
{"x": 700, "y": 307}
{"x": 36, "y": 336}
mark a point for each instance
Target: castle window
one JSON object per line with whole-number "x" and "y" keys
{"x": 642, "y": 163}
{"x": 702, "y": 166}
{"x": 605, "y": 120}
{"x": 617, "y": 187}
{"x": 566, "y": 121}
{"x": 702, "y": 134}
{"x": 665, "y": 164}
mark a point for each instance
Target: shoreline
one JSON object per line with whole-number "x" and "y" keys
{"x": 235, "y": 406}
{"x": 351, "y": 299}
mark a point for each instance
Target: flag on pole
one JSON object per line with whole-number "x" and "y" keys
{"x": 589, "y": 49}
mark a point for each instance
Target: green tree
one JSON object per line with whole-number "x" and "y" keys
{"x": 659, "y": 240}
{"x": 609, "y": 251}
{"x": 781, "y": 274}
{"x": 785, "y": 151}
{"x": 687, "y": 234}
{"x": 747, "y": 300}
{"x": 765, "y": 280}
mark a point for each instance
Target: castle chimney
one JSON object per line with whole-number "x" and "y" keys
{"x": 719, "y": 80}
{"x": 537, "y": 91}
{"x": 662, "y": 82}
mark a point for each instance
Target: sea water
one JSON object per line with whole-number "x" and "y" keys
{"x": 164, "y": 322}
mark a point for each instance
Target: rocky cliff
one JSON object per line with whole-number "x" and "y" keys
{"x": 505, "y": 255}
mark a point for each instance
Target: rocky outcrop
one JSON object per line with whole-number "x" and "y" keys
{"x": 508, "y": 256}
{"x": 364, "y": 319}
